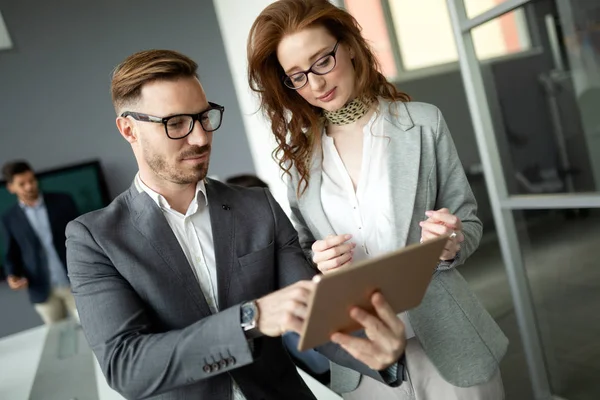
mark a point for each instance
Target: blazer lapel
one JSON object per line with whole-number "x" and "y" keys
{"x": 311, "y": 199}
{"x": 404, "y": 162}
{"x": 153, "y": 226}
{"x": 223, "y": 230}
{"x": 22, "y": 222}
{"x": 53, "y": 218}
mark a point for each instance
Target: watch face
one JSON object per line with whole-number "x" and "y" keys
{"x": 248, "y": 313}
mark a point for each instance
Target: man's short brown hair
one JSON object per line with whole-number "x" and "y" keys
{"x": 10, "y": 169}
{"x": 146, "y": 66}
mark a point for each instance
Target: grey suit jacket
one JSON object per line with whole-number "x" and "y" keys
{"x": 144, "y": 314}
{"x": 456, "y": 332}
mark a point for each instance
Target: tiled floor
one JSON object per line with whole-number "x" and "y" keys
{"x": 561, "y": 260}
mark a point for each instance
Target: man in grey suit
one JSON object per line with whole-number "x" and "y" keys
{"x": 184, "y": 285}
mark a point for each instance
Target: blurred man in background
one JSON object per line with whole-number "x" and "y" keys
{"x": 34, "y": 241}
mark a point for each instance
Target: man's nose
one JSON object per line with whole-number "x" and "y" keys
{"x": 198, "y": 136}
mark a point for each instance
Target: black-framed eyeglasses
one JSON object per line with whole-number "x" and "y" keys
{"x": 322, "y": 66}
{"x": 180, "y": 125}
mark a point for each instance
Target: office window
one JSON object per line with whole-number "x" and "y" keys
{"x": 423, "y": 32}
{"x": 369, "y": 14}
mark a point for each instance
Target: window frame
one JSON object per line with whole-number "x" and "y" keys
{"x": 526, "y": 24}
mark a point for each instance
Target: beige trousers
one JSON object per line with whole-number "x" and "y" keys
{"x": 425, "y": 383}
{"x": 60, "y": 303}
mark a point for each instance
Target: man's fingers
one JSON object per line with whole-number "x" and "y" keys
{"x": 15, "y": 282}
{"x": 292, "y": 324}
{"x": 359, "y": 348}
{"x": 363, "y": 350}
{"x": 306, "y": 285}
{"x": 386, "y": 332}
{"x": 298, "y": 292}
{"x": 284, "y": 309}
{"x": 375, "y": 328}
{"x": 386, "y": 313}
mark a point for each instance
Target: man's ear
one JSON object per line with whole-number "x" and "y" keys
{"x": 127, "y": 129}
{"x": 10, "y": 187}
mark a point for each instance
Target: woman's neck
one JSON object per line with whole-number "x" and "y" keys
{"x": 357, "y": 125}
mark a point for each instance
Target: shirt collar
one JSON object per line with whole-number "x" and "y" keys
{"x": 159, "y": 198}
{"x": 38, "y": 203}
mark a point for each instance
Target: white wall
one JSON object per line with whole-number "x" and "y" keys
{"x": 235, "y": 20}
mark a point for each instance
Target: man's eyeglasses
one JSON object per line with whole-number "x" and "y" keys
{"x": 322, "y": 66}
{"x": 180, "y": 125}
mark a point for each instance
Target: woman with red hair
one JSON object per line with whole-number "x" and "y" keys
{"x": 371, "y": 172}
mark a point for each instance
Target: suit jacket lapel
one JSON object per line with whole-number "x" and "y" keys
{"x": 153, "y": 226}
{"x": 53, "y": 218}
{"x": 404, "y": 162}
{"x": 223, "y": 230}
{"x": 22, "y": 221}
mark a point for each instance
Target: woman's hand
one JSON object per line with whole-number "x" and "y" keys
{"x": 439, "y": 223}
{"x": 333, "y": 252}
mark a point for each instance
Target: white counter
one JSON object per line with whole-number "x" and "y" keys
{"x": 75, "y": 373}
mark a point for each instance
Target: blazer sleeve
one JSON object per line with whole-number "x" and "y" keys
{"x": 137, "y": 361}
{"x": 13, "y": 262}
{"x": 292, "y": 267}
{"x": 454, "y": 193}
{"x": 305, "y": 236}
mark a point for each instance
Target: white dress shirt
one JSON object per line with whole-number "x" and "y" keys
{"x": 193, "y": 231}
{"x": 367, "y": 213}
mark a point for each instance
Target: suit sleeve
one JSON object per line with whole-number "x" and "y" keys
{"x": 13, "y": 262}
{"x": 137, "y": 361}
{"x": 454, "y": 193}
{"x": 292, "y": 267}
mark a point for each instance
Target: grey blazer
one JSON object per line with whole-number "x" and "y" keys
{"x": 144, "y": 314}
{"x": 457, "y": 333}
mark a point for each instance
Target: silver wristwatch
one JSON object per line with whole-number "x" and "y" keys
{"x": 249, "y": 319}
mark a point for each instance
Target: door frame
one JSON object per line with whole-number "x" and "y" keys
{"x": 502, "y": 203}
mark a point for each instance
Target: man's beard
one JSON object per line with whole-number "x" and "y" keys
{"x": 176, "y": 173}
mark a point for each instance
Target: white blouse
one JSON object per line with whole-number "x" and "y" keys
{"x": 367, "y": 213}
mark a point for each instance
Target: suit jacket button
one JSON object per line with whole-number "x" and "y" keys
{"x": 223, "y": 363}
{"x": 207, "y": 369}
{"x": 231, "y": 361}
{"x": 215, "y": 367}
